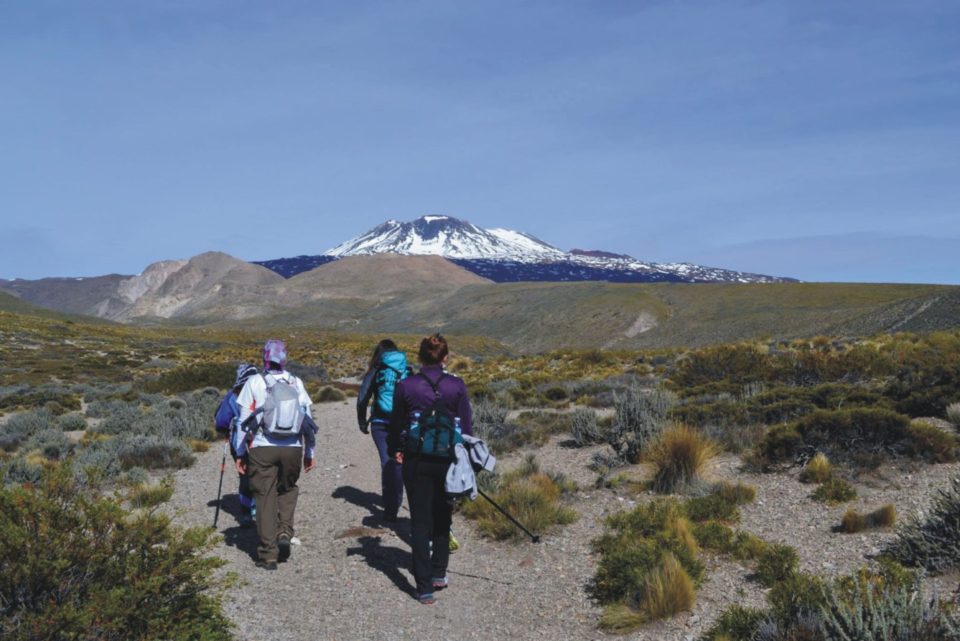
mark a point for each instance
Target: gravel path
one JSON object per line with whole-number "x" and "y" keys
{"x": 350, "y": 578}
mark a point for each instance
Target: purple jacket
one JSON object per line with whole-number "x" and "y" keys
{"x": 415, "y": 394}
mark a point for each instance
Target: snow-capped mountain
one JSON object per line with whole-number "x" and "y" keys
{"x": 450, "y": 238}
{"x": 504, "y": 255}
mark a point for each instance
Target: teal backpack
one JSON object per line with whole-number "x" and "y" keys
{"x": 392, "y": 369}
{"x": 434, "y": 433}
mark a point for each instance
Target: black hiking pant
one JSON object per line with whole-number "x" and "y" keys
{"x": 431, "y": 513}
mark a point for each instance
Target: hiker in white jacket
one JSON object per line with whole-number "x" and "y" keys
{"x": 273, "y": 460}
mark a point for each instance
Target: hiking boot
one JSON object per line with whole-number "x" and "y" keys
{"x": 267, "y": 565}
{"x": 441, "y": 584}
{"x": 283, "y": 545}
{"x": 426, "y": 598}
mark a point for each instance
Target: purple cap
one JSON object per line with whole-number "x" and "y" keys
{"x": 274, "y": 351}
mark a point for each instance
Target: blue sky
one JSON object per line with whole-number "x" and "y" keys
{"x": 819, "y": 140}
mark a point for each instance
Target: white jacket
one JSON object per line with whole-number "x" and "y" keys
{"x": 253, "y": 396}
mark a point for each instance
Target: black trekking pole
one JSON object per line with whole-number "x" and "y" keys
{"x": 223, "y": 466}
{"x": 533, "y": 537}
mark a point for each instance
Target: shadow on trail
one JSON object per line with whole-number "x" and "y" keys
{"x": 367, "y": 500}
{"x": 229, "y": 507}
{"x": 372, "y": 502}
{"x": 243, "y": 538}
{"x": 387, "y": 560}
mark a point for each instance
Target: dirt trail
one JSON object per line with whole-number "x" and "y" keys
{"x": 350, "y": 578}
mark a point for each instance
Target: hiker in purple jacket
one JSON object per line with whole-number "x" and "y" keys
{"x": 424, "y": 475}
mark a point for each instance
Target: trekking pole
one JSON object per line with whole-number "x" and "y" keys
{"x": 223, "y": 466}
{"x": 533, "y": 537}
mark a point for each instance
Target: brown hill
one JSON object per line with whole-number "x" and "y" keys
{"x": 381, "y": 277}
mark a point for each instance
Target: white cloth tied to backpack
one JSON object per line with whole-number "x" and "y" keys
{"x": 471, "y": 456}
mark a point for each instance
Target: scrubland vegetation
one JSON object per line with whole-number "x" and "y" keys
{"x": 93, "y": 413}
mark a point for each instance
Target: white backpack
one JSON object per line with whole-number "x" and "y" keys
{"x": 282, "y": 414}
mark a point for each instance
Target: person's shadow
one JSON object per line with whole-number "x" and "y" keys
{"x": 372, "y": 502}
{"x": 234, "y": 534}
{"x": 387, "y": 560}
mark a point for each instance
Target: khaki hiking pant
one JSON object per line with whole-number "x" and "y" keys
{"x": 273, "y": 473}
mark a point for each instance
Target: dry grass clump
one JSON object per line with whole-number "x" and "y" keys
{"x": 953, "y": 414}
{"x": 736, "y": 493}
{"x": 817, "y": 470}
{"x": 934, "y": 444}
{"x": 533, "y": 497}
{"x": 680, "y": 457}
{"x": 329, "y": 394}
{"x": 854, "y": 522}
{"x": 667, "y": 591}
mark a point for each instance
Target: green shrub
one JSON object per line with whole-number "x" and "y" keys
{"x": 736, "y": 623}
{"x": 834, "y": 492}
{"x": 932, "y": 443}
{"x": 329, "y": 394}
{"x": 20, "y": 471}
{"x": 76, "y": 565}
{"x": 711, "y": 507}
{"x": 153, "y": 452}
{"x": 794, "y": 598}
{"x": 533, "y": 497}
{"x": 776, "y": 564}
{"x": 144, "y": 497}
{"x": 680, "y": 455}
{"x": 932, "y": 543}
{"x": 634, "y": 545}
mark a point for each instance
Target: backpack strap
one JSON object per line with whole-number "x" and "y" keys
{"x": 434, "y": 386}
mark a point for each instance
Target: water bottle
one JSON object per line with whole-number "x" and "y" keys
{"x": 413, "y": 437}
{"x": 457, "y": 432}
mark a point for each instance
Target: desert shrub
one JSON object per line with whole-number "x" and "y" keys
{"x": 328, "y": 394}
{"x": 19, "y": 470}
{"x": 794, "y": 600}
{"x": 533, "y": 497}
{"x": 679, "y": 456}
{"x": 735, "y": 438}
{"x": 489, "y": 421}
{"x": 152, "y": 452}
{"x": 76, "y": 565}
{"x": 932, "y": 543}
{"x": 23, "y": 425}
{"x": 932, "y": 443}
{"x": 117, "y": 417}
{"x": 73, "y": 422}
{"x": 834, "y": 491}
{"x": 639, "y": 416}
{"x": 188, "y": 378}
{"x": 556, "y": 393}
{"x": 953, "y": 415}
{"x": 889, "y": 612}
{"x": 52, "y": 396}
{"x": 736, "y": 623}
{"x": 854, "y": 522}
{"x": 776, "y": 564}
{"x": 53, "y": 444}
{"x": 584, "y": 427}
{"x": 817, "y": 470}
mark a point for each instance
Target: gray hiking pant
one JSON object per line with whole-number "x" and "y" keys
{"x": 273, "y": 473}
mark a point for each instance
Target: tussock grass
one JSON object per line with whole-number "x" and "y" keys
{"x": 834, "y": 492}
{"x": 667, "y": 591}
{"x": 680, "y": 457}
{"x": 882, "y": 517}
{"x": 736, "y": 493}
{"x": 817, "y": 470}
{"x": 329, "y": 394}
{"x": 533, "y": 497}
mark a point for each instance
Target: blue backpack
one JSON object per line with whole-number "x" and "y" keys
{"x": 392, "y": 368}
